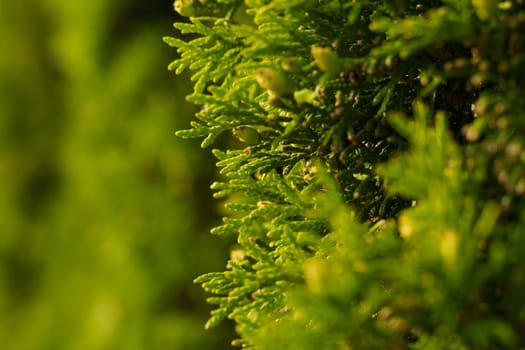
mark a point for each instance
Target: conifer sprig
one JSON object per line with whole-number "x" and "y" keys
{"x": 378, "y": 187}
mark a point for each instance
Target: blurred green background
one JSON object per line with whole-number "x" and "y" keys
{"x": 104, "y": 213}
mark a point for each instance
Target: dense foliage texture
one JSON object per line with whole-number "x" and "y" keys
{"x": 377, "y": 188}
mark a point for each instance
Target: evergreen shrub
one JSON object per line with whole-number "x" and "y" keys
{"x": 376, "y": 190}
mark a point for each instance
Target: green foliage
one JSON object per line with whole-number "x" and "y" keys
{"x": 377, "y": 188}
{"x": 99, "y": 207}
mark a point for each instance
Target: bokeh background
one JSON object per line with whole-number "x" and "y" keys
{"x": 104, "y": 213}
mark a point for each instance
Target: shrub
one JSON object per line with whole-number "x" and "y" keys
{"x": 376, "y": 190}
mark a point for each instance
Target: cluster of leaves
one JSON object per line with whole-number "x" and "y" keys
{"x": 378, "y": 187}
